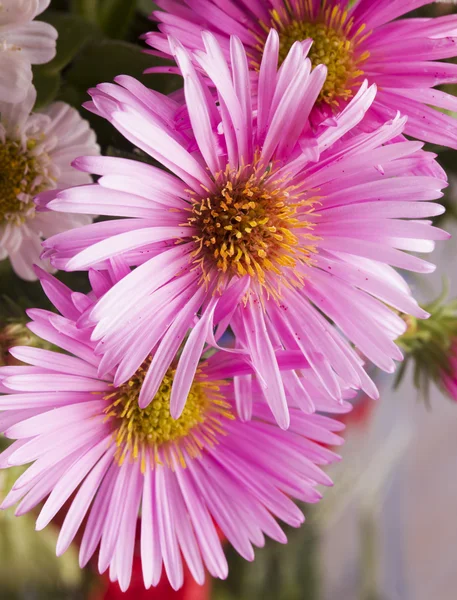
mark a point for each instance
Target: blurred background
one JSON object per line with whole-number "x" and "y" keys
{"x": 387, "y": 530}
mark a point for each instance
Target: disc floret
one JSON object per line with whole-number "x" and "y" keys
{"x": 334, "y": 45}
{"x": 23, "y": 174}
{"x": 152, "y": 429}
{"x": 253, "y": 225}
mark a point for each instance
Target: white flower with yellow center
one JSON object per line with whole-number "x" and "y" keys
{"x": 36, "y": 151}
{"x": 23, "y": 42}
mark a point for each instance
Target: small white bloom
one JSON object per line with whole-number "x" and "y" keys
{"x": 23, "y": 42}
{"x": 36, "y": 151}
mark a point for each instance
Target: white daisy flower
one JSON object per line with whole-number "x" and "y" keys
{"x": 36, "y": 151}
{"x": 23, "y": 42}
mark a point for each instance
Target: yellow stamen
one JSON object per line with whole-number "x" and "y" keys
{"x": 253, "y": 225}
{"x": 19, "y": 181}
{"x": 335, "y": 45}
{"x": 153, "y": 430}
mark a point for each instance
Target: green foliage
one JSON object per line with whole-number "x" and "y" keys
{"x": 428, "y": 343}
{"x": 115, "y": 17}
{"x": 88, "y": 9}
{"x": 47, "y": 86}
{"x": 104, "y": 60}
{"x": 74, "y": 32}
{"x": 146, "y": 7}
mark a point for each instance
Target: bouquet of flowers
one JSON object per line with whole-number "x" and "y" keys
{"x": 211, "y": 241}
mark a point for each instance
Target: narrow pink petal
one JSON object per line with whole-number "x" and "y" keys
{"x": 204, "y": 529}
{"x": 69, "y": 482}
{"x": 94, "y": 527}
{"x": 151, "y": 554}
{"x": 125, "y": 242}
{"x": 126, "y": 540}
{"x": 168, "y": 347}
{"x": 188, "y": 362}
{"x": 184, "y": 531}
{"x": 82, "y": 501}
{"x": 112, "y": 517}
{"x": 167, "y": 533}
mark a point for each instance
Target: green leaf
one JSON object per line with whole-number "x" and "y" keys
{"x": 74, "y": 96}
{"x": 104, "y": 60}
{"x": 100, "y": 62}
{"x": 115, "y": 16}
{"x": 47, "y": 85}
{"x": 86, "y": 8}
{"x": 74, "y": 32}
{"x": 146, "y": 7}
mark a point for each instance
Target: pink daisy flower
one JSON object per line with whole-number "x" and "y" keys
{"x": 36, "y": 151}
{"x": 356, "y": 40}
{"x": 87, "y": 438}
{"x": 255, "y": 226}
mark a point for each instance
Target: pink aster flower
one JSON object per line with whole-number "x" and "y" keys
{"x": 87, "y": 438}
{"x": 357, "y": 41}
{"x": 36, "y": 150}
{"x": 255, "y": 226}
{"x": 23, "y": 42}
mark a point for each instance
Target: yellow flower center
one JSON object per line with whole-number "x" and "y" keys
{"x": 334, "y": 45}
{"x": 20, "y": 181}
{"x": 153, "y": 429}
{"x": 252, "y": 226}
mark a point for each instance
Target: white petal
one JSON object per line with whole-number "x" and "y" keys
{"x": 14, "y": 115}
{"x": 15, "y": 76}
{"x": 10, "y": 238}
{"x": 20, "y": 11}
{"x": 46, "y": 224}
{"x": 74, "y": 138}
{"x": 35, "y": 40}
{"x": 27, "y": 255}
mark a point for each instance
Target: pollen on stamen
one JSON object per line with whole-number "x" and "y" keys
{"x": 153, "y": 431}
{"x": 334, "y": 45}
{"x": 255, "y": 225}
{"x": 21, "y": 178}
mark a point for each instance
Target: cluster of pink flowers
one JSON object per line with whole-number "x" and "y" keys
{"x": 243, "y": 283}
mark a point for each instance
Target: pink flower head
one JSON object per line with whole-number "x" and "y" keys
{"x": 255, "y": 226}
{"x": 87, "y": 439}
{"x": 362, "y": 41}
